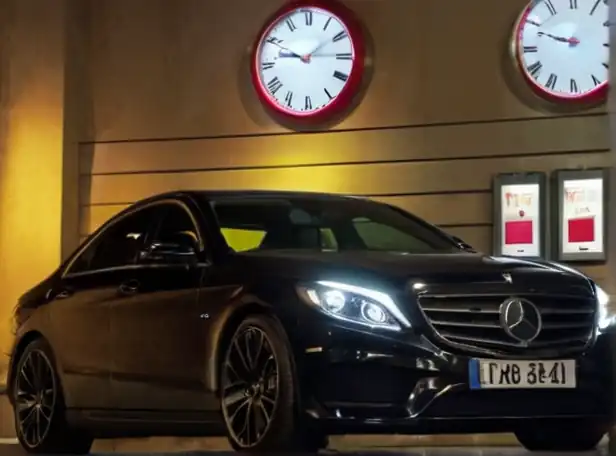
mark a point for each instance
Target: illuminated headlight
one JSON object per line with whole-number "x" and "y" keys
{"x": 355, "y": 304}
{"x": 606, "y": 317}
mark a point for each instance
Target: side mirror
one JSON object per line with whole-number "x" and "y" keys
{"x": 463, "y": 245}
{"x": 177, "y": 249}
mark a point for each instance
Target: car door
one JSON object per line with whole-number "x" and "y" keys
{"x": 157, "y": 332}
{"x": 80, "y": 315}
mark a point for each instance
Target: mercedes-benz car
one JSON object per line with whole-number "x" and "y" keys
{"x": 280, "y": 318}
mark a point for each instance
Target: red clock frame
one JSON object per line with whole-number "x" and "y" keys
{"x": 351, "y": 89}
{"x": 594, "y": 96}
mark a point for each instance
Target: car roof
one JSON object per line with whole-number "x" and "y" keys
{"x": 215, "y": 194}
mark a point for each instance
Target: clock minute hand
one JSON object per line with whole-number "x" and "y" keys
{"x": 318, "y": 48}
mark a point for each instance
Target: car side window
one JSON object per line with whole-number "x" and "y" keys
{"x": 175, "y": 227}
{"x": 82, "y": 262}
{"x": 119, "y": 245}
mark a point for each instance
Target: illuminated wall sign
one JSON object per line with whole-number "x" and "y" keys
{"x": 581, "y": 214}
{"x": 520, "y": 204}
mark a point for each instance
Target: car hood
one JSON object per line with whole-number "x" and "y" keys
{"x": 398, "y": 268}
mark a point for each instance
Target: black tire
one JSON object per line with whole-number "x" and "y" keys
{"x": 38, "y": 405}
{"x": 563, "y": 437}
{"x": 259, "y": 389}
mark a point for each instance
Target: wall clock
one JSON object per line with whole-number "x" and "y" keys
{"x": 308, "y": 62}
{"x": 562, "y": 49}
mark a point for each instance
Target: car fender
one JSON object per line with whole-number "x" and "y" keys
{"x": 223, "y": 326}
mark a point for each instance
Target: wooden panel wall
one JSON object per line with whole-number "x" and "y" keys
{"x": 172, "y": 108}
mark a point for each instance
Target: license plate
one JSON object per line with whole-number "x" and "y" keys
{"x": 492, "y": 374}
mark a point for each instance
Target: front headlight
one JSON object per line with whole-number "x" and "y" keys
{"x": 355, "y": 304}
{"x": 606, "y": 316}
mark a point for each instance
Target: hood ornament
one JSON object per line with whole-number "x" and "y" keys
{"x": 507, "y": 277}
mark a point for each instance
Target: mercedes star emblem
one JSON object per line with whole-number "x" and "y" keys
{"x": 520, "y": 319}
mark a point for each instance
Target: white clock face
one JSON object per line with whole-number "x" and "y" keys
{"x": 304, "y": 61}
{"x": 563, "y": 47}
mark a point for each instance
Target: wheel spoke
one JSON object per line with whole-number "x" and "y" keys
{"x": 240, "y": 355}
{"x": 233, "y": 398}
{"x": 258, "y": 350}
{"x": 26, "y": 377}
{"x": 264, "y": 417}
{"x": 239, "y": 409}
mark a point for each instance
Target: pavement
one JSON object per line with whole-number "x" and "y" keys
{"x": 352, "y": 445}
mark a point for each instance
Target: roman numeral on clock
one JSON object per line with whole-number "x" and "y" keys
{"x": 267, "y": 65}
{"x": 339, "y": 75}
{"x": 550, "y": 6}
{"x": 288, "y": 98}
{"x": 308, "y": 17}
{"x": 339, "y": 36}
{"x": 291, "y": 24}
{"x": 530, "y": 48}
{"x": 551, "y": 84}
{"x": 344, "y": 56}
{"x": 573, "y": 4}
{"x": 595, "y": 81}
{"x": 573, "y": 86}
{"x": 274, "y": 85}
{"x": 594, "y": 7}
{"x": 307, "y": 103}
{"x": 534, "y": 69}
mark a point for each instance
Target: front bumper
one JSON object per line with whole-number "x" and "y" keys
{"x": 359, "y": 381}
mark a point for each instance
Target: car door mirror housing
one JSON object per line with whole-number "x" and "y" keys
{"x": 463, "y": 245}
{"x": 166, "y": 252}
{"x": 177, "y": 249}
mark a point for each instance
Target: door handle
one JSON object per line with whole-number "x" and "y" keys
{"x": 129, "y": 288}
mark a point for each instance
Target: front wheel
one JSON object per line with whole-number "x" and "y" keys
{"x": 39, "y": 406}
{"x": 259, "y": 391}
{"x": 565, "y": 437}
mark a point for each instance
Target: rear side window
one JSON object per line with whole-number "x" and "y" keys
{"x": 119, "y": 245}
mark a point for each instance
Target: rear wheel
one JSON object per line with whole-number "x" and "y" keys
{"x": 39, "y": 406}
{"x": 578, "y": 436}
{"x": 259, "y": 390}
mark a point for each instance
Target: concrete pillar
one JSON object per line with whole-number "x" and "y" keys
{"x": 38, "y": 148}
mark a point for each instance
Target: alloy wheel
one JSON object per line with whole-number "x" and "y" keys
{"x": 35, "y": 398}
{"x": 250, "y": 384}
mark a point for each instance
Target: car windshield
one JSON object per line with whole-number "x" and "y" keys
{"x": 327, "y": 224}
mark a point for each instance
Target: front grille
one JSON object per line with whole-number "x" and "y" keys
{"x": 474, "y": 321}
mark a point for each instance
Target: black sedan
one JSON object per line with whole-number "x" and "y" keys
{"x": 279, "y": 318}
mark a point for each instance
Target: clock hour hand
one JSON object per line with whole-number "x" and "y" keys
{"x": 286, "y": 52}
{"x": 562, "y": 39}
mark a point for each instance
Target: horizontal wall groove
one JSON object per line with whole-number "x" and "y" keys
{"x": 465, "y": 225}
{"x": 344, "y": 130}
{"x": 363, "y": 163}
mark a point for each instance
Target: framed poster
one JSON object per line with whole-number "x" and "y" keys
{"x": 520, "y": 209}
{"x": 581, "y": 205}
